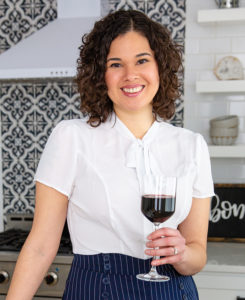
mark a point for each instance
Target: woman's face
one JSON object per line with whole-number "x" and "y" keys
{"x": 131, "y": 75}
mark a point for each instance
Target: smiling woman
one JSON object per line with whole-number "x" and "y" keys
{"x": 92, "y": 171}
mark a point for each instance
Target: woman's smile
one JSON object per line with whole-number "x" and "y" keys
{"x": 133, "y": 90}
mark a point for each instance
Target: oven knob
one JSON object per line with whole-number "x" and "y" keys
{"x": 4, "y": 277}
{"x": 51, "y": 278}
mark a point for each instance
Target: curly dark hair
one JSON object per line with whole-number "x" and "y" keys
{"x": 95, "y": 102}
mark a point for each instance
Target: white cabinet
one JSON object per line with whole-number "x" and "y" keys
{"x": 213, "y": 285}
{"x": 223, "y": 294}
{"x": 223, "y": 278}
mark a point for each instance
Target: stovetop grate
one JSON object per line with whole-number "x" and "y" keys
{"x": 13, "y": 240}
{"x": 17, "y": 230}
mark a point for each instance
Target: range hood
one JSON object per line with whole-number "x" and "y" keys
{"x": 53, "y": 50}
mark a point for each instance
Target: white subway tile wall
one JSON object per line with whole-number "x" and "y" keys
{"x": 237, "y": 108}
{"x": 210, "y": 110}
{"x": 192, "y": 46}
{"x": 238, "y": 44}
{"x": 205, "y": 45}
{"x": 229, "y": 29}
{"x": 240, "y": 140}
{"x": 200, "y": 61}
{"x": 235, "y": 173}
{"x": 215, "y": 45}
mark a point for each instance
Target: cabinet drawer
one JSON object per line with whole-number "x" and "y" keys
{"x": 220, "y": 281}
{"x": 214, "y": 294}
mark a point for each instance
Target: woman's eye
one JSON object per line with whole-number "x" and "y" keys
{"x": 142, "y": 61}
{"x": 115, "y": 65}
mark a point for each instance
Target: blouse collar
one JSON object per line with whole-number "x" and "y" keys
{"x": 138, "y": 155}
{"x": 122, "y": 129}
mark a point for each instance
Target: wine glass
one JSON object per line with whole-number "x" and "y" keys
{"x": 157, "y": 205}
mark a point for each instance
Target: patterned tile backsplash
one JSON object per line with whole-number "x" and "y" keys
{"x": 170, "y": 13}
{"x": 20, "y": 18}
{"x": 29, "y": 109}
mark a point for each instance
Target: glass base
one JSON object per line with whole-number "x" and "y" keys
{"x": 153, "y": 277}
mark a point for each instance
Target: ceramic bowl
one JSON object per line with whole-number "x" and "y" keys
{"x": 224, "y": 121}
{"x": 223, "y": 132}
{"x": 223, "y": 136}
{"x": 223, "y": 141}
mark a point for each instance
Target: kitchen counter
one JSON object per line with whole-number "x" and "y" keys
{"x": 7, "y": 256}
{"x": 225, "y": 257}
{"x": 223, "y": 277}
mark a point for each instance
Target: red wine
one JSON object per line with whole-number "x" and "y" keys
{"x": 157, "y": 208}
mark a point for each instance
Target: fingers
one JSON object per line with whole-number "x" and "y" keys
{"x": 163, "y": 242}
{"x": 167, "y": 251}
{"x": 168, "y": 243}
{"x": 163, "y": 232}
{"x": 167, "y": 260}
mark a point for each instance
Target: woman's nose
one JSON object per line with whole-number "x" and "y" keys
{"x": 130, "y": 73}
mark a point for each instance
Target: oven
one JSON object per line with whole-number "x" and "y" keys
{"x": 11, "y": 241}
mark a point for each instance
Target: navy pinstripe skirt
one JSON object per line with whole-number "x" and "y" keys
{"x": 112, "y": 277}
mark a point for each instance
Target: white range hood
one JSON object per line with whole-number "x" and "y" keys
{"x": 53, "y": 50}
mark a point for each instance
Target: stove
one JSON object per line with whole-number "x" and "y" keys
{"x": 11, "y": 240}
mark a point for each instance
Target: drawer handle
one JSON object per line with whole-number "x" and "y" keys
{"x": 240, "y": 298}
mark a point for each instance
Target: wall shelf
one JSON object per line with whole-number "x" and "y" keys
{"x": 220, "y": 86}
{"x": 221, "y": 15}
{"x": 233, "y": 151}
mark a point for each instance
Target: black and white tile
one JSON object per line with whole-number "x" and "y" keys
{"x": 29, "y": 111}
{"x": 20, "y": 18}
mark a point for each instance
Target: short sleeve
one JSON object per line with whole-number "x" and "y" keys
{"x": 57, "y": 166}
{"x": 203, "y": 186}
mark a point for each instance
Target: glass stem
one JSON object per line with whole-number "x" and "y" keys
{"x": 154, "y": 268}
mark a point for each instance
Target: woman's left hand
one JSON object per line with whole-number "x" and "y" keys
{"x": 166, "y": 242}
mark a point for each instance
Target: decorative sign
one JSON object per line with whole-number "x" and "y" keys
{"x": 227, "y": 215}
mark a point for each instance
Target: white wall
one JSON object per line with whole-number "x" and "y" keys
{"x": 205, "y": 45}
{"x": 78, "y": 8}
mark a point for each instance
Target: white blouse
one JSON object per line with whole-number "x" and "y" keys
{"x": 100, "y": 170}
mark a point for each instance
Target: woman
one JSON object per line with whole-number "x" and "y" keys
{"x": 90, "y": 171}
